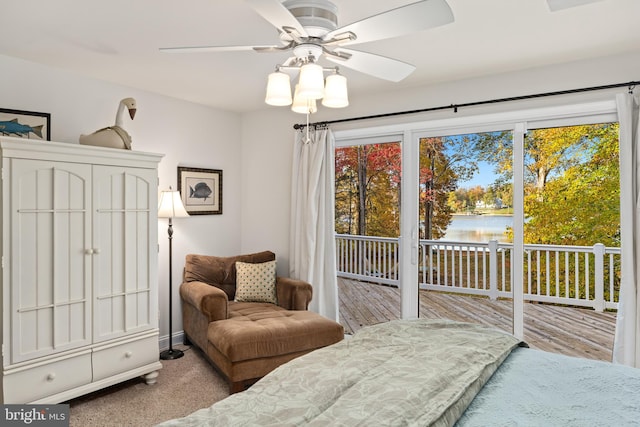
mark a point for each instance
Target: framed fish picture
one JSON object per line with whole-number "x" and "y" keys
{"x": 25, "y": 124}
{"x": 200, "y": 190}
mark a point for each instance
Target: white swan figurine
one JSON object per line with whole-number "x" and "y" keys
{"x": 113, "y": 136}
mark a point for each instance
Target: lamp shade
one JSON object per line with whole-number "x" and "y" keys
{"x": 170, "y": 205}
{"x": 311, "y": 81}
{"x": 278, "y": 89}
{"x": 335, "y": 95}
{"x": 303, "y": 105}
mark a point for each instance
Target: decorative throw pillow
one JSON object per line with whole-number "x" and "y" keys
{"x": 256, "y": 282}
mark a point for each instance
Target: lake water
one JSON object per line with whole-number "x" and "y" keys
{"x": 478, "y": 228}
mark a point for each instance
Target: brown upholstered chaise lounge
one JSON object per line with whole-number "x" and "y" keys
{"x": 247, "y": 340}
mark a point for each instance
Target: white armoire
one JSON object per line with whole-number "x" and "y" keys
{"x": 79, "y": 269}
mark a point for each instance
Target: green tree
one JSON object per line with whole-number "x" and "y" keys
{"x": 571, "y": 181}
{"x": 582, "y": 206}
{"x": 441, "y": 167}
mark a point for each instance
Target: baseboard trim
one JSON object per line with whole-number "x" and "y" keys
{"x": 177, "y": 338}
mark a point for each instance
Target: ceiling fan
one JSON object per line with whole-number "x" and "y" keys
{"x": 309, "y": 29}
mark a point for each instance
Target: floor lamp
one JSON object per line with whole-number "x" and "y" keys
{"x": 171, "y": 206}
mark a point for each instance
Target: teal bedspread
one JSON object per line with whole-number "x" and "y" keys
{"x": 535, "y": 388}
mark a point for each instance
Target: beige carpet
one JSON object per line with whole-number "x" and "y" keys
{"x": 184, "y": 385}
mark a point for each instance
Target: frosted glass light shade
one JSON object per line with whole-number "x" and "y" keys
{"x": 278, "y": 89}
{"x": 170, "y": 205}
{"x": 311, "y": 81}
{"x": 303, "y": 105}
{"x": 335, "y": 95}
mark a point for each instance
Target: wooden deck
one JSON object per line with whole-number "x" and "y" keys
{"x": 572, "y": 331}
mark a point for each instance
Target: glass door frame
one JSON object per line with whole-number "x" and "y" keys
{"x": 518, "y": 121}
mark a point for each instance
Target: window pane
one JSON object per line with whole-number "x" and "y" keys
{"x": 367, "y": 233}
{"x": 465, "y": 211}
{"x": 572, "y": 237}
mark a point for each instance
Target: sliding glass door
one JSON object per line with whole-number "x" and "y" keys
{"x": 368, "y": 203}
{"x": 498, "y": 219}
{"x": 465, "y": 224}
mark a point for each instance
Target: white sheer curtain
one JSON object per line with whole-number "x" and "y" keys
{"x": 626, "y": 348}
{"x": 312, "y": 249}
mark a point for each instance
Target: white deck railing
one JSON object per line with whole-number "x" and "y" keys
{"x": 373, "y": 259}
{"x": 586, "y": 276}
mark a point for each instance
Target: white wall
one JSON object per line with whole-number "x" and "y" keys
{"x": 267, "y": 136}
{"x": 186, "y": 133}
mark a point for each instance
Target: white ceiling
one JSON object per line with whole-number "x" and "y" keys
{"x": 118, "y": 41}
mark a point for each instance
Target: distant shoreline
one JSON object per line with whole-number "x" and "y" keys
{"x": 462, "y": 215}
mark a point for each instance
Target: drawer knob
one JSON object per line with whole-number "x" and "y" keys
{"x": 128, "y": 354}
{"x": 51, "y": 377}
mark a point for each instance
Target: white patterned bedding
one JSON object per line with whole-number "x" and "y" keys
{"x": 400, "y": 373}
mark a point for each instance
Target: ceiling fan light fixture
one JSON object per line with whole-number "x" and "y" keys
{"x": 335, "y": 91}
{"x": 311, "y": 81}
{"x": 278, "y": 89}
{"x": 303, "y": 105}
{"x": 318, "y": 17}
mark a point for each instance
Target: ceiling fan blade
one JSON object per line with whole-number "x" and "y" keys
{"x": 398, "y": 22}
{"x": 374, "y": 65}
{"x": 278, "y": 15}
{"x": 555, "y": 5}
{"x": 206, "y": 49}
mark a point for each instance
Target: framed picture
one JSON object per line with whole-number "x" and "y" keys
{"x": 201, "y": 190}
{"x": 25, "y": 124}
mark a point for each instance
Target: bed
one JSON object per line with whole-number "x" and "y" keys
{"x": 432, "y": 373}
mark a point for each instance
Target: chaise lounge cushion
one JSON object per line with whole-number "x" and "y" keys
{"x": 265, "y": 330}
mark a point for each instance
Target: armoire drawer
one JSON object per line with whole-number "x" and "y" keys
{"x": 33, "y": 383}
{"x": 115, "y": 359}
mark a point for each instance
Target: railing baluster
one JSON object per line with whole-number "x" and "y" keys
{"x": 493, "y": 269}
{"x": 439, "y": 275}
{"x": 557, "y": 265}
{"x": 598, "y": 252}
{"x": 587, "y": 291}
{"x": 547, "y": 278}
{"x": 538, "y": 272}
{"x": 577, "y": 275}
{"x": 484, "y": 271}
{"x": 475, "y": 259}
{"x": 567, "y": 276}
{"x": 529, "y": 272}
{"x": 611, "y": 281}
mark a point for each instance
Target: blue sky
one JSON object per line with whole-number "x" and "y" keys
{"x": 484, "y": 177}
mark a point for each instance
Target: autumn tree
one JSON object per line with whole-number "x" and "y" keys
{"x": 571, "y": 181}
{"x": 582, "y": 206}
{"x": 368, "y": 189}
{"x": 548, "y": 152}
{"x": 346, "y": 191}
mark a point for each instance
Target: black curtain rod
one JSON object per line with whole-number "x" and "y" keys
{"x": 455, "y": 107}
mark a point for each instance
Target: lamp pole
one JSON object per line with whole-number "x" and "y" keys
{"x": 171, "y": 353}
{"x": 171, "y": 206}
